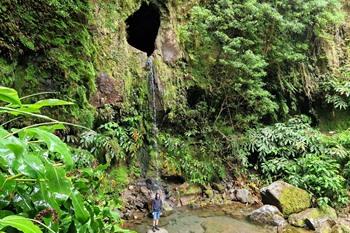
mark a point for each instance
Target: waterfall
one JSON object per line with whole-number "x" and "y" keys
{"x": 153, "y": 108}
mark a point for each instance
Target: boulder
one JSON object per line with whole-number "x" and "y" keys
{"x": 288, "y": 198}
{"x": 312, "y": 217}
{"x": 187, "y": 200}
{"x": 269, "y": 215}
{"x": 341, "y": 227}
{"x": 167, "y": 209}
{"x": 244, "y": 196}
{"x": 324, "y": 226}
{"x": 291, "y": 229}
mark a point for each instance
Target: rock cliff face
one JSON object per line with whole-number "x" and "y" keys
{"x": 126, "y": 64}
{"x": 119, "y": 30}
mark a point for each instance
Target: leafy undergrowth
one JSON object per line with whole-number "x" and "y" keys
{"x": 39, "y": 179}
{"x": 303, "y": 156}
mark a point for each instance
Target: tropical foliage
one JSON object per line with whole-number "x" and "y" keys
{"x": 232, "y": 105}
{"x": 255, "y": 59}
{"x": 302, "y": 156}
{"x": 37, "y": 176}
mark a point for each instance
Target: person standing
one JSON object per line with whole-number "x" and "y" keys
{"x": 157, "y": 205}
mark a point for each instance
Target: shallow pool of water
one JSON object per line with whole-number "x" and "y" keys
{"x": 205, "y": 221}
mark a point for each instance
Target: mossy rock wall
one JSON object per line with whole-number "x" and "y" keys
{"x": 62, "y": 47}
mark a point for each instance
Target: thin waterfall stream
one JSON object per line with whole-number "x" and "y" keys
{"x": 153, "y": 107}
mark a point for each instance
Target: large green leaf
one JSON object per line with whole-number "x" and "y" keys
{"x": 45, "y": 195}
{"x": 14, "y": 144}
{"x": 3, "y": 132}
{"x": 57, "y": 180}
{"x": 20, "y": 223}
{"x": 43, "y": 103}
{"x": 54, "y": 144}
{"x": 6, "y": 188}
{"x": 9, "y": 149}
{"x": 6, "y": 185}
{"x": 80, "y": 211}
{"x": 29, "y": 165}
{"x": 9, "y": 95}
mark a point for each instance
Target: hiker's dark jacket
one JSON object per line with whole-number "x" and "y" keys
{"x": 157, "y": 205}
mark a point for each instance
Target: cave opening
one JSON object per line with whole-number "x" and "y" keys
{"x": 195, "y": 94}
{"x": 142, "y": 27}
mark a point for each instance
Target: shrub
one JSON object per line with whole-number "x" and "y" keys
{"x": 301, "y": 155}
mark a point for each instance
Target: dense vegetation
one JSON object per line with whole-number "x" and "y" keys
{"x": 256, "y": 84}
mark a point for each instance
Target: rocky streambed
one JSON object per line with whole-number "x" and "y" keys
{"x": 229, "y": 208}
{"x": 205, "y": 220}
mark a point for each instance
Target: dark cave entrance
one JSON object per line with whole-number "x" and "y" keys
{"x": 142, "y": 27}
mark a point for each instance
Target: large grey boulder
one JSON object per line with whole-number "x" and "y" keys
{"x": 269, "y": 215}
{"x": 288, "y": 198}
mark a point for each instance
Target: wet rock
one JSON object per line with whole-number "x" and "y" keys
{"x": 291, "y": 229}
{"x": 152, "y": 185}
{"x": 170, "y": 48}
{"x": 324, "y": 227}
{"x": 187, "y": 200}
{"x": 243, "y": 195}
{"x": 312, "y": 216}
{"x": 209, "y": 191}
{"x": 269, "y": 215}
{"x": 341, "y": 226}
{"x": 167, "y": 209}
{"x": 138, "y": 215}
{"x": 232, "y": 194}
{"x": 219, "y": 187}
{"x": 190, "y": 189}
{"x": 288, "y": 198}
{"x": 108, "y": 91}
{"x": 161, "y": 230}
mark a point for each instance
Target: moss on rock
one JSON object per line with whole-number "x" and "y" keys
{"x": 312, "y": 215}
{"x": 288, "y": 198}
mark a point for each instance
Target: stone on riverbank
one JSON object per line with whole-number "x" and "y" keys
{"x": 244, "y": 196}
{"x": 342, "y": 226}
{"x": 167, "y": 209}
{"x": 219, "y": 187}
{"x": 161, "y": 230}
{"x": 312, "y": 217}
{"x": 209, "y": 192}
{"x": 288, "y": 198}
{"x": 269, "y": 215}
{"x": 190, "y": 189}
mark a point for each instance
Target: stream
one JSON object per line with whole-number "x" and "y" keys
{"x": 208, "y": 220}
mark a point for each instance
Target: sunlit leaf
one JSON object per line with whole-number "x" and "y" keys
{"x": 57, "y": 180}
{"x": 80, "y": 211}
{"x": 9, "y": 95}
{"x": 54, "y": 144}
{"x": 43, "y": 103}
{"x": 20, "y": 223}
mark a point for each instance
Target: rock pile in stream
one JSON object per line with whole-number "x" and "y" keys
{"x": 137, "y": 196}
{"x": 283, "y": 206}
{"x": 286, "y": 202}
